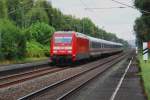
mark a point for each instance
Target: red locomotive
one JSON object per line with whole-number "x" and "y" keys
{"x": 69, "y": 45}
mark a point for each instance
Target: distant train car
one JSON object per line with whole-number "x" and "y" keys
{"x": 99, "y": 47}
{"x": 73, "y": 46}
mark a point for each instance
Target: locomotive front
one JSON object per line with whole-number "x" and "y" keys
{"x": 61, "y": 47}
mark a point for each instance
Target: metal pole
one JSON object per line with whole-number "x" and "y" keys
{"x": 83, "y": 25}
{"x": 0, "y": 44}
{"x": 102, "y": 32}
{"x": 52, "y": 19}
{"x": 0, "y": 40}
{"x": 22, "y": 15}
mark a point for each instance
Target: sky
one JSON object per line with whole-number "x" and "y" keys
{"x": 116, "y": 20}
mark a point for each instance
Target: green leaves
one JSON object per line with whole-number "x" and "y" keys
{"x": 35, "y": 49}
{"x": 3, "y": 9}
{"x": 37, "y": 13}
{"x": 39, "y": 32}
{"x": 27, "y": 26}
{"x": 142, "y": 5}
{"x": 142, "y": 24}
{"x": 12, "y": 40}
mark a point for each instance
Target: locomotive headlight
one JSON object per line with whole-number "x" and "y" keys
{"x": 69, "y": 51}
{"x": 56, "y": 48}
{"x": 68, "y": 48}
{"x": 55, "y": 51}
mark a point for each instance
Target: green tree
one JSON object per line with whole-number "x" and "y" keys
{"x": 37, "y": 13}
{"x": 49, "y": 10}
{"x": 39, "y": 32}
{"x": 57, "y": 19}
{"x": 142, "y": 24}
{"x": 3, "y": 9}
{"x": 87, "y": 26}
{"x": 13, "y": 42}
{"x": 18, "y": 9}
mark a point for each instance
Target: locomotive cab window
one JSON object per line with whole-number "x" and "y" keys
{"x": 63, "y": 39}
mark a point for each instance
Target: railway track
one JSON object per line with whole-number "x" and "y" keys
{"x": 21, "y": 77}
{"x": 72, "y": 83}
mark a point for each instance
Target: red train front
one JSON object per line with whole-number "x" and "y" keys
{"x": 69, "y": 46}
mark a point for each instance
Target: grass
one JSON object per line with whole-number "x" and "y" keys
{"x": 145, "y": 68}
{"x": 25, "y": 60}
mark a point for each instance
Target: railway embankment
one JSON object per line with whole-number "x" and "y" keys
{"x": 145, "y": 73}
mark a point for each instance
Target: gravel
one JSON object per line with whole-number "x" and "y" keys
{"x": 16, "y": 91}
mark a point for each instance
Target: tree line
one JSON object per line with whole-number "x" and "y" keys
{"x": 27, "y": 25}
{"x": 142, "y": 24}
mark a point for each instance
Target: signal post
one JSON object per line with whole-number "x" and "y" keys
{"x": 146, "y": 47}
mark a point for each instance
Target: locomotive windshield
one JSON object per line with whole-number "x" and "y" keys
{"x": 63, "y": 39}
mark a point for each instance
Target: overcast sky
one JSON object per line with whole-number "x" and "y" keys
{"x": 118, "y": 21}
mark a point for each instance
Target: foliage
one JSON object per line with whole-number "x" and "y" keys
{"x": 142, "y": 24}
{"x": 88, "y": 26}
{"x": 35, "y": 49}
{"x": 142, "y": 5}
{"x": 39, "y": 32}
{"x": 37, "y": 13}
{"x": 3, "y": 9}
{"x": 18, "y": 9}
{"x": 29, "y": 25}
{"x": 145, "y": 72}
{"x": 12, "y": 40}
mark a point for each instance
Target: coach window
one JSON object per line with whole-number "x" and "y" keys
{"x": 97, "y": 45}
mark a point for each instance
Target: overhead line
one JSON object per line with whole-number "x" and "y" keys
{"x": 129, "y": 6}
{"x": 13, "y": 11}
{"x": 106, "y": 8}
{"x": 85, "y": 5}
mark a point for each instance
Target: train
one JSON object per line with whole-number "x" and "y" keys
{"x": 74, "y": 46}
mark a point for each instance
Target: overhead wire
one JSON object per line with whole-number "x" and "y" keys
{"x": 104, "y": 8}
{"x": 85, "y": 5}
{"x": 130, "y": 6}
{"x": 91, "y": 11}
{"x": 25, "y": 7}
{"x": 87, "y": 8}
{"x": 13, "y": 11}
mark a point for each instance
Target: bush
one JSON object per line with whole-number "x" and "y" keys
{"x": 47, "y": 50}
{"x": 13, "y": 42}
{"x": 35, "y": 49}
{"x": 39, "y": 32}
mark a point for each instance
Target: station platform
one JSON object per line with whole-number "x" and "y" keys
{"x": 103, "y": 87}
{"x": 24, "y": 65}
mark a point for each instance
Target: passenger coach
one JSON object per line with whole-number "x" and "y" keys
{"x": 68, "y": 45}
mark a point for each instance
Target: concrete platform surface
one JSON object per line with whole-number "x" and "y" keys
{"x": 103, "y": 87}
